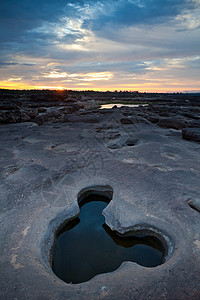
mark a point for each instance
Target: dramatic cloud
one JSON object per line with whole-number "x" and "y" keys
{"x": 107, "y": 44}
{"x": 136, "y": 12}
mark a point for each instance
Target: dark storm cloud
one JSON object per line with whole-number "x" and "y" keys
{"x": 18, "y": 18}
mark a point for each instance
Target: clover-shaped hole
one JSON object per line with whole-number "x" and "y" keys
{"x": 86, "y": 246}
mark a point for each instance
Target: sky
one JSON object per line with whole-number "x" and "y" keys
{"x": 134, "y": 45}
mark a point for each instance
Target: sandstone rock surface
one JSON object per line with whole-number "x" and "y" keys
{"x": 155, "y": 177}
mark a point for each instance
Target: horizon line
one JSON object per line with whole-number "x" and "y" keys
{"x": 102, "y": 91}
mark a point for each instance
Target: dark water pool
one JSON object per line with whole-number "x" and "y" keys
{"x": 86, "y": 246}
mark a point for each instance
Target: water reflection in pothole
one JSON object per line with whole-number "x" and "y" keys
{"x": 86, "y": 246}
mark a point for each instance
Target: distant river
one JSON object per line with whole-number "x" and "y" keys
{"x": 120, "y": 105}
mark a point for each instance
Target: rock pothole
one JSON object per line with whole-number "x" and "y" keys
{"x": 84, "y": 246}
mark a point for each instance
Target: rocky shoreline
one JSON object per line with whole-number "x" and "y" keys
{"x": 55, "y": 144}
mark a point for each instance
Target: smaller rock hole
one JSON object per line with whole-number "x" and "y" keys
{"x": 195, "y": 205}
{"x": 131, "y": 143}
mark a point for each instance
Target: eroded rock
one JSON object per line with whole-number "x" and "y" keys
{"x": 191, "y": 134}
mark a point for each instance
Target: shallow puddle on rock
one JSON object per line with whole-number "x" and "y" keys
{"x": 109, "y": 106}
{"x": 86, "y": 246}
